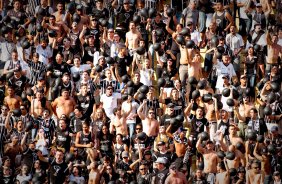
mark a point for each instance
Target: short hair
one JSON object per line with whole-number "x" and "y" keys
{"x": 254, "y": 109}
{"x": 78, "y": 107}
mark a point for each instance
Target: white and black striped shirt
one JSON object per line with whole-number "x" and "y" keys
{"x": 104, "y": 83}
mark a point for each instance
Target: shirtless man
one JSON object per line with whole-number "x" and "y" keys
{"x": 53, "y": 25}
{"x": 265, "y": 161}
{"x": 210, "y": 159}
{"x": 186, "y": 55}
{"x": 211, "y": 116}
{"x": 132, "y": 38}
{"x": 39, "y": 104}
{"x": 63, "y": 104}
{"x": 94, "y": 174}
{"x": 175, "y": 177}
{"x": 11, "y": 100}
{"x": 273, "y": 51}
{"x": 194, "y": 66}
{"x": 254, "y": 175}
{"x": 118, "y": 122}
{"x": 239, "y": 158}
{"x": 222, "y": 175}
{"x": 59, "y": 14}
{"x": 234, "y": 138}
{"x": 149, "y": 123}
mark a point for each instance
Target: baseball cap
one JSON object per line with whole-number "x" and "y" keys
{"x": 125, "y": 154}
{"x": 161, "y": 160}
{"x": 100, "y": 57}
{"x": 147, "y": 152}
{"x": 258, "y": 5}
{"x": 126, "y": 2}
{"x": 274, "y": 129}
{"x": 170, "y": 105}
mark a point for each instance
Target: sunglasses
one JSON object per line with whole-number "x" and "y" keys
{"x": 109, "y": 88}
{"x": 142, "y": 169}
{"x": 138, "y": 128}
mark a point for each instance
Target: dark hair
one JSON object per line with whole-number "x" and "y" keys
{"x": 254, "y": 109}
{"x": 78, "y": 107}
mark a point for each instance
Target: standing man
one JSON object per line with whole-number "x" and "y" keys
{"x": 235, "y": 42}
{"x": 210, "y": 159}
{"x": 64, "y": 104}
{"x": 132, "y": 38}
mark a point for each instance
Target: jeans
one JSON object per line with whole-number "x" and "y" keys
{"x": 131, "y": 127}
{"x": 245, "y": 26}
{"x": 251, "y": 80}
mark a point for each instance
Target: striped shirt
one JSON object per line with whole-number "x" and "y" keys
{"x": 26, "y": 118}
{"x": 36, "y": 69}
{"x": 104, "y": 83}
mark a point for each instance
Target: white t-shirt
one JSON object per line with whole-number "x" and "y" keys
{"x": 223, "y": 70}
{"x": 44, "y": 54}
{"x": 80, "y": 69}
{"x": 195, "y": 36}
{"x": 234, "y": 41}
{"x": 242, "y": 9}
{"x": 279, "y": 42}
{"x": 146, "y": 76}
{"x": 110, "y": 102}
{"x": 125, "y": 107}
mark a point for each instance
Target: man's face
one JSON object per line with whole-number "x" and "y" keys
{"x": 132, "y": 26}
{"x": 256, "y": 168}
{"x": 137, "y": 77}
{"x": 151, "y": 114}
{"x": 76, "y": 62}
{"x": 232, "y": 130}
{"x": 60, "y": 7}
{"x": 10, "y": 91}
{"x": 65, "y": 94}
{"x": 258, "y": 28}
{"x": 126, "y": 6}
{"x": 219, "y": 6}
{"x": 108, "y": 74}
{"x": 59, "y": 156}
{"x": 109, "y": 91}
{"x": 226, "y": 59}
{"x": 62, "y": 124}
{"x": 66, "y": 78}
{"x": 253, "y": 114}
{"x": 4, "y": 110}
{"x": 199, "y": 113}
{"x": 99, "y": 4}
{"x": 43, "y": 44}
{"x": 274, "y": 38}
{"x": 14, "y": 56}
{"x": 17, "y": 5}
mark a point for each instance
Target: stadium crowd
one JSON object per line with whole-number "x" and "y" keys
{"x": 140, "y": 91}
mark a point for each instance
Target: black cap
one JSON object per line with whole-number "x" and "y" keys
{"x": 161, "y": 143}
{"x": 170, "y": 105}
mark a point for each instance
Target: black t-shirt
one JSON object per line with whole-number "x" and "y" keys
{"x": 28, "y": 157}
{"x": 86, "y": 103}
{"x": 106, "y": 142}
{"x": 89, "y": 52}
{"x": 257, "y": 125}
{"x": 96, "y": 32}
{"x": 165, "y": 120}
{"x": 58, "y": 171}
{"x": 61, "y": 68}
{"x": 167, "y": 156}
{"x": 124, "y": 16}
{"x": 19, "y": 84}
{"x": 161, "y": 176}
{"x": 198, "y": 125}
{"x": 104, "y": 13}
{"x": 68, "y": 54}
{"x": 224, "y": 127}
{"x": 122, "y": 63}
{"x": 63, "y": 138}
{"x": 76, "y": 124}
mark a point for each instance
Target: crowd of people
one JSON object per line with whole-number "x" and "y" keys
{"x": 145, "y": 91}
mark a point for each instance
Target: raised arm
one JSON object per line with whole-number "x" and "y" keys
{"x": 199, "y": 146}
{"x": 140, "y": 111}
{"x": 7, "y": 122}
